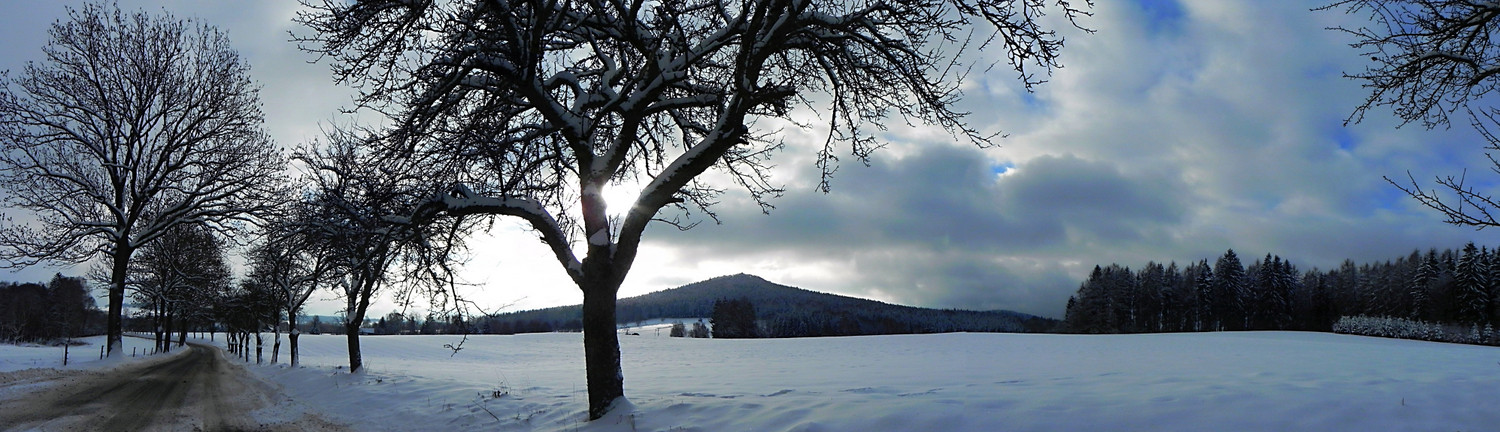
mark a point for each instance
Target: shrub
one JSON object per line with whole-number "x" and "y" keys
{"x": 1402, "y": 328}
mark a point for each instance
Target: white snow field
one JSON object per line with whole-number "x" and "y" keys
{"x": 19, "y": 357}
{"x": 1253, "y": 381}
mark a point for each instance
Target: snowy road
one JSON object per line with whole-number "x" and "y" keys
{"x": 193, "y": 390}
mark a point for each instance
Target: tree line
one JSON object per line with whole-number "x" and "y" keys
{"x": 1455, "y": 287}
{"x": 49, "y": 312}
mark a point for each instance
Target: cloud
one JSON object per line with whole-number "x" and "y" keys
{"x": 940, "y": 228}
{"x": 1171, "y": 135}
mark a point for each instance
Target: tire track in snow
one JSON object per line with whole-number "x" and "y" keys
{"x": 195, "y": 390}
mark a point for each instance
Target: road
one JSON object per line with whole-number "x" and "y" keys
{"x": 195, "y": 390}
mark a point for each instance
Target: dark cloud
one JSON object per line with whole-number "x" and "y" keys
{"x": 1093, "y": 197}
{"x": 940, "y": 228}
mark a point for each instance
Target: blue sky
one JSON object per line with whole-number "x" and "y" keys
{"x": 1176, "y": 132}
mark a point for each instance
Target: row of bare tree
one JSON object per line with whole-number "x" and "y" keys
{"x": 137, "y": 144}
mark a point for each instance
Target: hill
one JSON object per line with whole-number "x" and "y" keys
{"x": 781, "y": 311}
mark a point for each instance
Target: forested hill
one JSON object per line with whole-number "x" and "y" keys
{"x": 781, "y": 311}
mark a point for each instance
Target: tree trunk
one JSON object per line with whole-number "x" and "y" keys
{"x": 166, "y": 327}
{"x": 276, "y": 344}
{"x": 258, "y": 347}
{"x": 291, "y": 335}
{"x": 112, "y": 328}
{"x": 351, "y": 330}
{"x": 355, "y": 317}
{"x": 291, "y": 338}
{"x": 601, "y": 348}
{"x": 156, "y": 325}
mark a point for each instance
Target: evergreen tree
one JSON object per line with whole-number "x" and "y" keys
{"x": 1175, "y": 299}
{"x": 1317, "y": 313}
{"x": 1445, "y": 287}
{"x": 1281, "y": 289}
{"x": 734, "y": 319}
{"x": 1343, "y": 292}
{"x": 1119, "y": 285}
{"x": 1208, "y": 318}
{"x": 1257, "y": 302}
{"x": 1070, "y": 314}
{"x": 1150, "y": 285}
{"x": 1472, "y": 285}
{"x": 1269, "y": 303}
{"x": 699, "y": 330}
{"x": 1492, "y": 286}
{"x": 1419, "y": 288}
{"x": 1230, "y": 293}
{"x": 1093, "y": 312}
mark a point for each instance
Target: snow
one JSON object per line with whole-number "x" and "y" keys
{"x": 1252, "y": 381}
{"x": 659, "y": 326}
{"x": 600, "y": 237}
{"x": 20, "y": 357}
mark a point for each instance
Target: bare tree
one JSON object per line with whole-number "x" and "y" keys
{"x": 244, "y": 310}
{"x": 173, "y": 272}
{"x": 531, "y": 109}
{"x": 1459, "y": 202}
{"x": 293, "y": 263}
{"x": 1428, "y": 60}
{"x": 353, "y": 217}
{"x": 133, "y": 124}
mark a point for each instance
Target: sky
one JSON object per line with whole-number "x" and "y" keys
{"x": 1177, "y": 131}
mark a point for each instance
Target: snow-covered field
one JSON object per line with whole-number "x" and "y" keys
{"x": 1256, "y": 381}
{"x": 15, "y": 357}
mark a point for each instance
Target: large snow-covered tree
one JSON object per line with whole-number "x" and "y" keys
{"x": 131, "y": 125}
{"x": 532, "y": 109}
